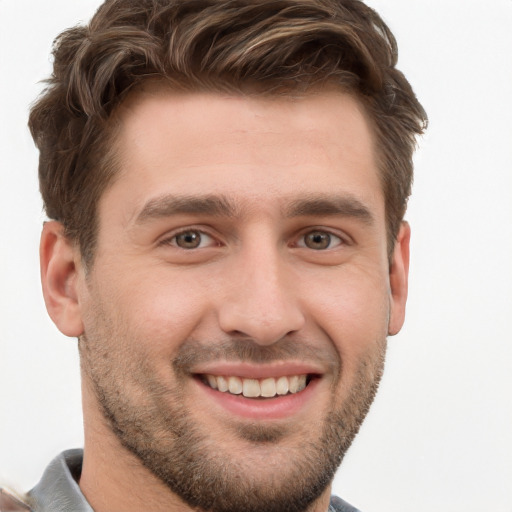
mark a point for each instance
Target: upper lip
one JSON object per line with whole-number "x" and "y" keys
{"x": 258, "y": 371}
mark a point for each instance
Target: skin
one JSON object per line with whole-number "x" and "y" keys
{"x": 253, "y": 282}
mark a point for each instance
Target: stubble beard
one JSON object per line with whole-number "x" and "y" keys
{"x": 183, "y": 454}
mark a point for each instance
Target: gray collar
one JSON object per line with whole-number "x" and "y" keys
{"x": 58, "y": 489}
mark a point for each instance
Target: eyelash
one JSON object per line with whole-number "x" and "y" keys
{"x": 172, "y": 240}
{"x": 330, "y": 236}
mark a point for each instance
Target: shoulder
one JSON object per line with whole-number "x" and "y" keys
{"x": 339, "y": 505}
{"x": 11, "y": 503}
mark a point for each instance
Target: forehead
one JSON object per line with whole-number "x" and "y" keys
{"x": 255, "y": 148}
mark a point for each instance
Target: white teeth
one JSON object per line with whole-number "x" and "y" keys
{"x": 297, "y": 383}
{"x": 282, "y": 386}
{"x": 212, "y": 381}
{"x": 235, "y": 385}
{"x": 251, "y": 388}
{"x": 268, "y": 388}
{"x": 222, "y": 384}
{"x": 294, "y": 384}
{"x": 254, "y": 388}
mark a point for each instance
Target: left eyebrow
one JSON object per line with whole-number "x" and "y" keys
{"x": 339, "y": 206}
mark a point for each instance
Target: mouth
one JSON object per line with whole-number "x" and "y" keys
{"x": 270, "y": 387}
{"x": 281, "y": 391}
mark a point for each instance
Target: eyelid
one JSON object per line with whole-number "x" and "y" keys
{"x": 170, "y": 238}
{"x": 343, "y": 239}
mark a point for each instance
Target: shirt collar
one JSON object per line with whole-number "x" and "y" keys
{"x": 58, "y": 489}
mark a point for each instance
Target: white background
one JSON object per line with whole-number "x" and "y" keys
{"x": 439, "y": 436}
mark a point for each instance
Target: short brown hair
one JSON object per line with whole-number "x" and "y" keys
{"x": 272, "y": 46}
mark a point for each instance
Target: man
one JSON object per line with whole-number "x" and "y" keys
{"x": 225, "y": 183}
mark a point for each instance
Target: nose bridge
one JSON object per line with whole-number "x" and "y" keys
{"x": 261, "y": 302}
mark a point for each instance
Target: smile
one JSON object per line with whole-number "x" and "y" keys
{"x": 257, "y": 388}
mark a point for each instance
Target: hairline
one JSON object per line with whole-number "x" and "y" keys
{"x": 110, "y": 160}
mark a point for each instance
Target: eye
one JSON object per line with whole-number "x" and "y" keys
{"x": 319, "y": 240}
{"x": 191, "y": 239}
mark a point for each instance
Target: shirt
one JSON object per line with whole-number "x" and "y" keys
{"x": 58, "y": 489}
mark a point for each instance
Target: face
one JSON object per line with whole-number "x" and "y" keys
{"x": 236, "y": 313}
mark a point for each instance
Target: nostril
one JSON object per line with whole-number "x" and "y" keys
{"x": 265, "y": 325}
{"x": 238, "y": 334}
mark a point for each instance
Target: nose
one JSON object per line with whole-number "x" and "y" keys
{"x": 260, "y": 302}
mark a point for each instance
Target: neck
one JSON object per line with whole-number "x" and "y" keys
{"x": 115, "y": 482}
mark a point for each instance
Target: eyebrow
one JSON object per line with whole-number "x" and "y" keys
{"x": 221, "y": 206}
{"x": 342, "y": 206}
{"x": 168, "y": 205}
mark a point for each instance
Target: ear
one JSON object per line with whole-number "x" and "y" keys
{"x": 398, "y": 279}
{"x": 60, "y": 262}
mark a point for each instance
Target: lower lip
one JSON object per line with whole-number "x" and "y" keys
{"x": 262, "y": 409}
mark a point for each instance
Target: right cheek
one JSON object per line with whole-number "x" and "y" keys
{"x": 165, "y": 319}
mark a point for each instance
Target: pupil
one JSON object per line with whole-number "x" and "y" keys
{"x": 189, "y": 240}
{"x": 317, "y": 240}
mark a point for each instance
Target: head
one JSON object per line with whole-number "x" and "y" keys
{"x": 228, "y": 181}
{"x": 267, "y": 48}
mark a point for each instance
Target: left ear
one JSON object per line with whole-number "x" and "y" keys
{"x": 398, "y": 279}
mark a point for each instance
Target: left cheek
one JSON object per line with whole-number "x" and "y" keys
{"x": 353, "y": 313}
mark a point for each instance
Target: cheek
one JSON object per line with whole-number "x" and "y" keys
{"x": 354, "y": 312}
{"x": 160, "y": 311}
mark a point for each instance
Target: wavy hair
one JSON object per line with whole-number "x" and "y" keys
{"x": 265, "y": 46}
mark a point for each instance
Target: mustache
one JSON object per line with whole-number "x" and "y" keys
{"x": 193, "y": 353}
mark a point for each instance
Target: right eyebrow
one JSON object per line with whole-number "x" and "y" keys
{"x": 168, "y": 205}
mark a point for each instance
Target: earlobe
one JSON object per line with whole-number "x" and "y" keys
{"x": 398, "y": 279}
{"x": 59, "y": 260}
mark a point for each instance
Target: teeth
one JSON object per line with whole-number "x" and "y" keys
{"x": 282, "y": 386}
{"x": 254, "y": 388}
{"x": 212, "y": 381}
{"x": 268, "y": 387}
{"x": 294, "y": 384}
{"x": 222, "y": 384}
{"x": 251, "y": 388}
{"x": 235, "y": 385}
{"x": 297, "y": 383}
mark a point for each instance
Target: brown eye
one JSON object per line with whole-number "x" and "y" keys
{"x": 319, "y": 240}
{"x": 189, "y": 239}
